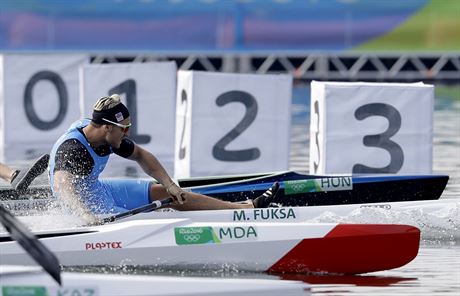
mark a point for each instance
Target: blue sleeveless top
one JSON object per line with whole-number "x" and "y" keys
{"x": 91, "y": 190}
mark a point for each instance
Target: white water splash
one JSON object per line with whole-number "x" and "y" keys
{"x": 441, "y": 225}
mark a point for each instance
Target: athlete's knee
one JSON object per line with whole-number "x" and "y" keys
{"x": 157, "y": 191}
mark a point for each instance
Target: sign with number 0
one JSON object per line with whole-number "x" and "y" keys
{"x": 39, "y": 101}
{"x": 149, "y": 91}
{"x": 231, "y": 123}
{"x": 371, "y": 128}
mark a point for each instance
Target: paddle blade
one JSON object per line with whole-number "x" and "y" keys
{"x": 31, "y": 244}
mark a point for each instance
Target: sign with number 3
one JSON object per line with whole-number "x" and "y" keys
{"x": 371, "y": 128}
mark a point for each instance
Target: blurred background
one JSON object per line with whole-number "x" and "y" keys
{"x": 372, "y": 40}
{"x": 333, "y": 40}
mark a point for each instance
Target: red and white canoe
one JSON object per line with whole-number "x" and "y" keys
{"x": 249, "y": 245}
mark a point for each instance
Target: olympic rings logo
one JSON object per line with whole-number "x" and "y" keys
{"x": 298, "y": 187}
{"x": 191, "y": 237}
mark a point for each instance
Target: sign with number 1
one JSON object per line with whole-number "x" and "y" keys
{"x": 148, "y": 90}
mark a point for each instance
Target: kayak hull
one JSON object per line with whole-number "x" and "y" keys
{"x": 268, "y": 247}
{"x": 356, "y": 254}
{"x": 295, "y": 189}
{"x": 310, "y": 190}
{"x": 21, "y": 280}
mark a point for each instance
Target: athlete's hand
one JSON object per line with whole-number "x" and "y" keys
{"x": 177, "y": 193}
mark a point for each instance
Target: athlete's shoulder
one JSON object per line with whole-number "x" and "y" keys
{"x": 71, "y": 145}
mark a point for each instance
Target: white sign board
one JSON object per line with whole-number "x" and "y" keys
{"x": 371, "y": 128}
{"x": 231, "y": 123}
{"x": 149, "y": 92}
{"x": 39, "y": 100}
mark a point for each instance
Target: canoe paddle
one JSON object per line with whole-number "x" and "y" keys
{"x": 147, "y": 208}
{"x": 31, "y": 244}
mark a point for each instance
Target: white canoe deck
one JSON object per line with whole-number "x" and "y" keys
{"x": 122, "y": 285}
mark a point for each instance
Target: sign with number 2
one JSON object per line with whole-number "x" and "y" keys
{"x": 231, "y": 123}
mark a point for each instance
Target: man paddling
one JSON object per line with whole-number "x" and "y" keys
{"x": 21, "y": 179}
{"x": 81, "y": 154}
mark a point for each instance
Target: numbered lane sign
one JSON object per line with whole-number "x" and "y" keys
{"x": 371, "y": 128}
{"x": 231, "y": 123}
{"x": 149, "y": 92}
{"x": 40, "y": 101}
